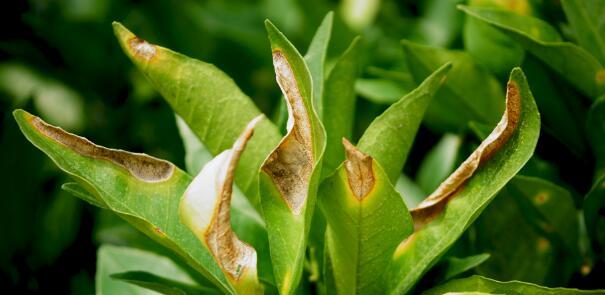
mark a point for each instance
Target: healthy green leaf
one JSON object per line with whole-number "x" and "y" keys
{"x": 455, "y": 266}
{"x": 573, "y": 63}
{"x": 289, "y": 176}
{"x": 389, "y": 138}
{"x": 367, "y": 219}
{"x": 79, "y": 191}
{"x": 470, "y": 93}
{"x": 112, "y": 259}
{"x": 482, "y": 284}
{"x": 160, "y": 284}
{"x": 208, "y": 100}
{"x": 380, "y": 90}
{"x": 316, "y": 58}
{"x": 143, "y": 190}
{"x": 196, "y": 154}
{"x": 339, "y": 106}
{"x": 410, "y": 191}
{"x": 586, "y": 19}
{"x": 447, "y": 221}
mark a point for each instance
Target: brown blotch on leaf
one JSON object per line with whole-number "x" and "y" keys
{"x": 142, "y": 48}
{"x": 435, "y": 203}
{"x": 234, "y": 255}
{"x": 290, "y": 165}
{"x": 141, "y": 166}
{"x": 359, "y": 170}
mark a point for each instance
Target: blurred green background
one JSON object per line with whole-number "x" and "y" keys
{"x": 60, "y": 60}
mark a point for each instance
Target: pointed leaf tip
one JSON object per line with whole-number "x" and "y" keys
{"x": 136, "y": 48}
{"x": 359, "y": 170}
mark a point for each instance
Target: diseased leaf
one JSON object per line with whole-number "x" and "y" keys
{"x": 482, "y": 284}
{"x": 494, "y": 142}
{"x": 112, "y": 259}
{"x": 390, "y": 136}
{"x": 586, "y": 19}
{"x": 143, "y": 190}
{"x": 339, "y": 105}
{"x": 206, "y": 208}
{"x": 438, "y": 163}
{"x": 470, "y": 93}
{"x": 160, "y": 284}
{"x": 423, "y": 248}
{"x": 289, "y": 176}
{"x": 573, "y": 63}
{"x": 200, "y": 93}
{"x": 367, "y": 219}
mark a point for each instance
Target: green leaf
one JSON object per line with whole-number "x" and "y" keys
{"x": 482, "y": 284}
{"x": 439, "y": 162}
{"x": 424, "y": 247}
{"x": 527, "y": 228}
{"x": 390, "y": 136}
{"x": 367, "y": 219}
{"x": 455, "y": 266}
{"x": 573, "y": 63}
{"x": 595, "y": 130}
{"x": 410, "y": 191}
{"x": 586, "y": 19}
{"x": 208, "y": 100}
{"x": 143, "y": 190}
{"x": 112, "y": 259}
{"x": 160, "y": 284}
{"x": 80, "y": 191}
{"x": 289, "y": 177}
{"x": 196, "y": 154}
{"x": 339, "y": 105}
{"x": 380, "y": 91}
{"x": 316, "y": 58}
{"x": 470, "y": 93}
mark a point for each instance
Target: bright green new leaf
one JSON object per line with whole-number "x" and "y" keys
{"x": 390, "y": 136}
{"x": 112, "y": 260}
{"x": 569, "y": 60}
{"x": 586, "y": 19}
{"x": 482, "y": 284}
{"x": 208, "y": 100}
{"x": 367, "y": 219}
{"x": 470, "y": 93}
{"x": 339, "y": 105}
{"x": 160, "y": 284}
{"x": 143, "y": 190}
{"x": 316, "y": 58}
{"x": 438, "y": 163}
{"x": 289, "y": 176}
{"x": 444, "y": 216}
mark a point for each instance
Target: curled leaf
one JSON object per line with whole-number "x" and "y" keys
{"x": 141, "y": 166}
{"x": 205, "y": 209}
{"x": 290, "y": 165}
{"x": 499, "y": 136}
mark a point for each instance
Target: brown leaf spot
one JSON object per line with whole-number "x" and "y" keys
{"x": 141, "y": 166}
{"x": 435, "y": 203}
{"x": 359, "y": 170}
{"x": 290, "y": 165}
{"x": 541, "y": 198}
{"x": 142, "y": 48}
{"x": 234, "y": 255}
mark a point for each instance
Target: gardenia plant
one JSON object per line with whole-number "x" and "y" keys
{"x": 273, "y": 213}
